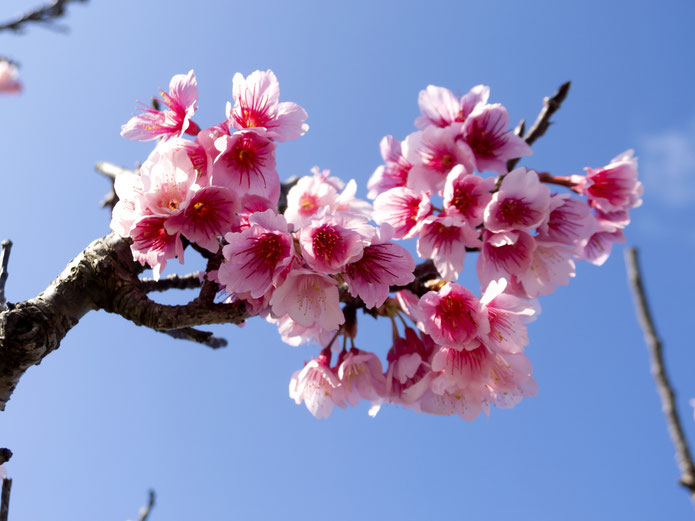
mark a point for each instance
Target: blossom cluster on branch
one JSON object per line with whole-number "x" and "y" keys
{"x": 446, "y": 185}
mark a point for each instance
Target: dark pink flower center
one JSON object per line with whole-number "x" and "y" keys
{"x": 265, "y": 253}
{"x": 328, "y": 244}
{"x": 455, "y": 313}
{"x": 373, "y": 264}
{"x": 513, "y": 211}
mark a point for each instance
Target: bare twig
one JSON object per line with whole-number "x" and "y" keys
{"x": 5, "y": 456}
{"x": 196, "y": 335}
{"x": 190, "y": 281}
{"x": 111, "y": 171}
{"x": 145, "y": 511}
{"x": 658, "y": 368}
{"x": 45, "y": 15}
{"x": 5, "y": 499}
{"x": 5, "y": 249}
{"x": 550, "y": 106}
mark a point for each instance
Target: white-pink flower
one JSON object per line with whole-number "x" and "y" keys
{"x": 246, "y": 164}
{"x": 569, "y": 220}
{"x": 391, "y": 174}
{"x": 444, "y": 239}
{"x": 257, "y": 106}
{"x": 467, "y": 195}
{"x": 433, "y": 152}
{"x": 383, "y": 264}
{"x": 329, "y": 243}
{"x": 403, "y": 209}
{"x": 309, "y": 195}
{"x": 255, "y": 257}
{"x": 182, "y": 101}
{"x": 507, "y": 315}
{"x": 486, "y": 132}
{"x": 551, "y": 266}
{"x": 452, "y": 316}
{"x": 318, "y": 387}
{"x": 522, "y": 202}
{"x": 361, "y": 377}
{"x": 505, "y": 254}
{"x": 9, "y": 74}
{"x": 439, "y": 106}
{"x": 309, "y": 298}
{"x": 615, "y": 186}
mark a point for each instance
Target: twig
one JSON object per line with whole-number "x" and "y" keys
{"x": 5, "y": 456}
{"x": 111, "y": 171}
{"x": 190, "y": 281}
{"x": 550, "y": 106}
{"x": 658, "y": 369}
{"x": 5, "y": 499}
{"x": 5, "y": 249}
{"x": 145, "y": 511}
{"x": 196, "y": 335}
{"x": 46, "y": 15}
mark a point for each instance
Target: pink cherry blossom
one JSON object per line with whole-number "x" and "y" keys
{"x": 393, "y": 173}
{"x": 467, "y": 195}
{"x": 153, "y": 245}
{"x": 328, "y": 243}
{"x": 309, "y": 195}
{"x": 9, "y": 84}
{"x": 551, "y": 266}
{"x": 452, "y": 316}
{"x": 569, "y": 220}
{"x": 522, "y": 202}
{"x": 433, "y": 152}
{"x": 444, "y": 239}
{"x": 318, "y": 387}
{"x": 596, "y": 248}
{"x": 255, "y": 257}
{"x": 129, "y": 208}
{"x": 246, "y": 164}
{"x": 486, "y": 132}
{"x": 404, "y": 209}
{"x": 361, "y": 377}
{"x": 256, "y": 105}
{"x": 507, "y": 316}
{"x": 441, "y": 108}
{"x": 309, "y": 298}
{"x": 409, "y": 374}
{"x": 505, "y": 254}
{"x": 295, "y": 334}
{"x": 383, "y": 264}
{"x": 182, "y": 101}
{"x": 615, "y": 186}
{"x": 511, "y": 380}
{"x": 208, "y": 214}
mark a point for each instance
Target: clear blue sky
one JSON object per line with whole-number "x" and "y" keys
{"x": 119, "y": 409}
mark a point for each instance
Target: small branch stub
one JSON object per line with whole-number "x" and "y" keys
{"x": 5, "y": 249}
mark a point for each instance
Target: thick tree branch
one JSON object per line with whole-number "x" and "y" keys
{"x": 658, "y": 369}
{"x": 5, "y": 249}
{"x": 103, "y": 276}
{"x": 550, "y": 106}
{"x": 45, "y": 15}
{"x": 5, "y": 456}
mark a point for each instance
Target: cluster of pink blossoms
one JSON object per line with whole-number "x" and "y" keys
{"x": 458, "y": 352}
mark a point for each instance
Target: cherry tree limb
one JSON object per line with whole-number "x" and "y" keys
{"x": 46, "y": 15}
{"x": 658, "y": 368}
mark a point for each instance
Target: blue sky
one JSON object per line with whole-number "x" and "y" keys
{"x": 119, "y": 409}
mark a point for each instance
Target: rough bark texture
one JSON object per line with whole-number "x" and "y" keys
{"x": 103, "y": 276}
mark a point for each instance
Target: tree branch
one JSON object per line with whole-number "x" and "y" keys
{"x": 550, "y": 106}
{"x": 145, "y": 511}
{"x": 5, "y": 249}
{"x": 46, "y": 15}
{"x": 658, "y": 369}
{"x": 5, "y": 456}
{"x": 5, "y": 499}
{"x": 190, "y": 281}
{"x": 195, "y": 335}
